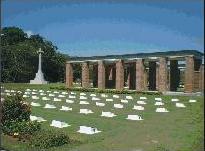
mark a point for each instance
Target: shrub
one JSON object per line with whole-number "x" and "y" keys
{"x": 48, "y": 138}
{"x": 16, "y": 117}
{"x": 20, "y": 129}
{"x": 15, "y": 109}
{"x": 106, "y": 90}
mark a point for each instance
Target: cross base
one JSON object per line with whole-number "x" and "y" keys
{"x": 39, "y": 79}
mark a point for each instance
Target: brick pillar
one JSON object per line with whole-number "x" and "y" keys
{"x": 85, "y": 75}
{"x": 189, "y": 74}
{"x": 119, "y": 85}
{"x": 101, "y": 75}
{"x": 163, "y": 75}
{"x": 140, "y": 72}
{"x": 69, "y": 75}
{"x": 201, "y": 80}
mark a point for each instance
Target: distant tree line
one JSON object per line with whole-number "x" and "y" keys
{"x": 19, "y": 57}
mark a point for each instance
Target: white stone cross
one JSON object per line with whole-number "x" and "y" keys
{"x": 39, "y": 60}
{"x": 39, "y": 79}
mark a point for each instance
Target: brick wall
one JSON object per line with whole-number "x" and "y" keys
{"x": 201, "y": 79}
{"x": 69, "y": 75}
{"x": 163, "y": 81}
{"x": 101, "y": 75}
{"x": 189, "y": 75}
{"x": 140, "y": 75}
{"x": 119, "y": 75}
{"x": 85, "y": 75}
{"x": 196, "y": 81}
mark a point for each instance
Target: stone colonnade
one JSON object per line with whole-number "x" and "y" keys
{"x": 138, "y": 77}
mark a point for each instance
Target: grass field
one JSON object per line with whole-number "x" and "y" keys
{"x": 181, "y": 129}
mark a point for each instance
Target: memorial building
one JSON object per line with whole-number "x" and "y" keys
{"x": 159, "y": 71}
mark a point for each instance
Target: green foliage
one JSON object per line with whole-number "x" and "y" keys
{"x": 12, "y": 35}
{"x": 20, "y": 129}
{"x": 113, "y": 91}
{"x": 16, "y": 122}
{"x": 48, "y": 138}
{"x": 77, "y": 72}
{"x": 16, "y": 117}
{"x": 15, "y": 109}
{"x": 20, "y": 58}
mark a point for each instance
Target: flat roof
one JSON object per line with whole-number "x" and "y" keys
{"x": 170, "y": 54}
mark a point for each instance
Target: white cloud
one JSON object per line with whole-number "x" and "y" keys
{"x": 29, "y": 33}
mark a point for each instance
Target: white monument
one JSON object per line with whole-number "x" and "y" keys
{"x": 39, "y": 79}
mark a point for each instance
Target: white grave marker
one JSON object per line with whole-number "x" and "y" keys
{"x": 69, "y": 101}
{"x": 88, "y": 130}
{"x": 85, "y": 111}
{"x": 161, "y": 109}
{"x": 119, "y": 106}
{"x": 34, "y": 97}
{"x": 134, "y": 117}
{"x": 82, "y": 94}
{"x": 25, "y": 96}
{"x": 129, "y": 97}
{"x": 35, "y": 104}
{"x": 84, "y": 102}
{"x": 64, "y": 93}
{"x": 138, "y": 107}
{"x": 92, "y": 94}
{"x": 192, "y": 101}
{"x": 104, "y": 95}
{"x": 65, "y": 108}
{"x": 42, "y": 94}
{"x": 100, "y": 104}
{"x": 158, "y": 99}
{"x": 174, "y": 100}
{"x": 57, "y": 100}
{"x": 83, "y": 98}
{"x": 38, "y": 119}
{"x": 180, "y": 105}
{"x": 159, "y": 103}
{"x": 95, "y": 99}
{"x": 143, "y": 98}
{"x": 108, "y": 114}
{"x": 71, "y": 96}
{"x": 109, "y": 100}
{"x": 116, "y": 96}
{"x": 141, "y": 102}
{"x": 49, "y": 106}
{"x": 45, "y": 98}
{"x": 51, "y": 94}
{"x": 59, "y": 124}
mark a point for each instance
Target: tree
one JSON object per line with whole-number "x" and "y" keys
{"x": 12, "y": 36}
{"x": 20, "y": 58}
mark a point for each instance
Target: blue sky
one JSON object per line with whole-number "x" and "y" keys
{"x": 102, "y": 28}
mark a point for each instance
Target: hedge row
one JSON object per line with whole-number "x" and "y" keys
{"x": 105, "y": 90}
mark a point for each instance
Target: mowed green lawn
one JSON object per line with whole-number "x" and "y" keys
{"x": 181, "y": 129}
